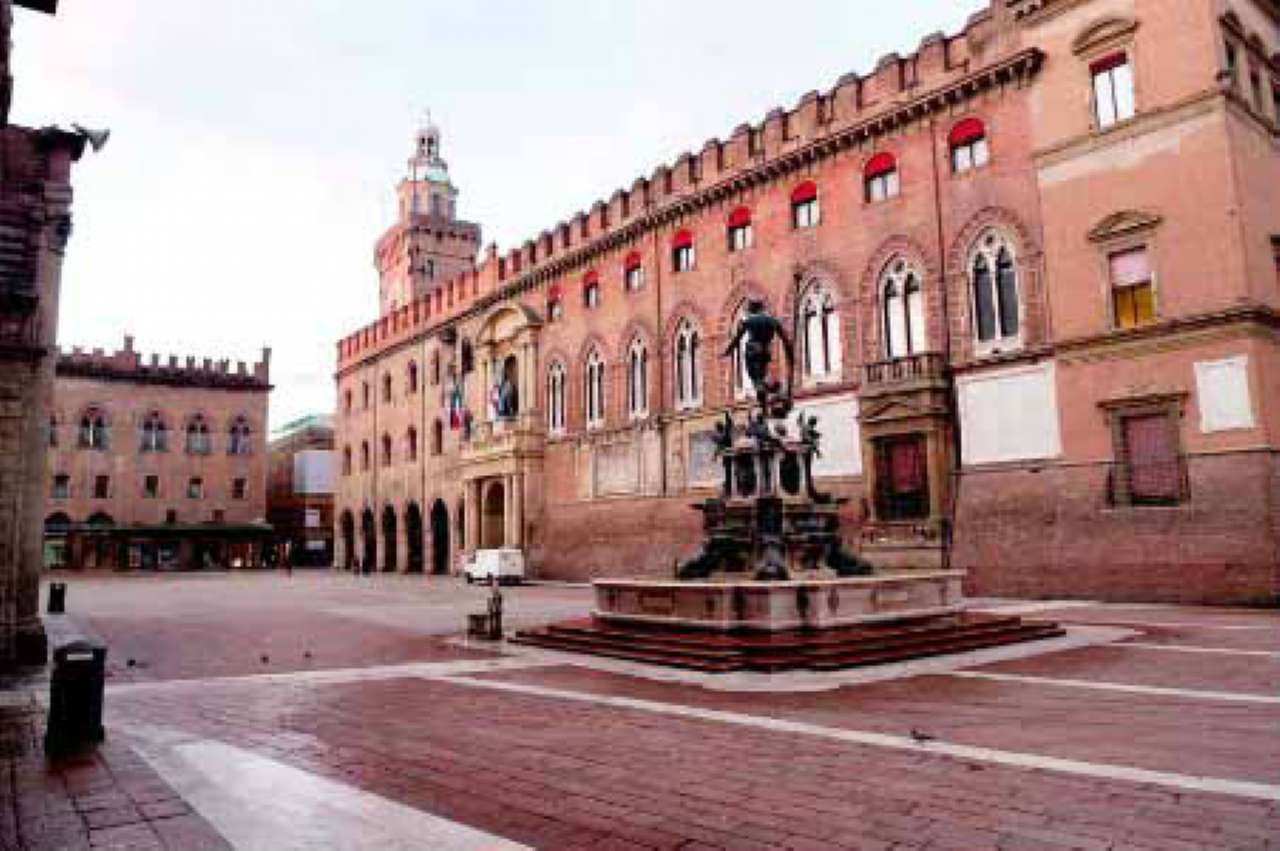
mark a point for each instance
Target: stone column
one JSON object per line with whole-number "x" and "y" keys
{"x": 517, "y": 511}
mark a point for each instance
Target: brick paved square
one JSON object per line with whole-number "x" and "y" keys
{"x": 1158, "y": 735}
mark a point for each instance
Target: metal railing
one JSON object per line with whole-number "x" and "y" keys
{"x": 927, "y": 365}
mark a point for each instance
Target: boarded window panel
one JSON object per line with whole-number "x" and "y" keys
{"x": 1009, "y": 415}
{"x": 1130, "y": 267}
{"x": 1222, "y": 391}
{"x": 1151, "y": 459}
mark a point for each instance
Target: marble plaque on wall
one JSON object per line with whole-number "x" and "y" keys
{"x": 617, "y": 469}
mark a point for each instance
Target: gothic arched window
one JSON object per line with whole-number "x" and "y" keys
{"x": 688, "y": 373}
{"x": 593, "y": 390}
{"x": 996, "y": 305}
{"x": 411, "y": 444}
{"x": 820, "y": 344}
{"x": 902, "y": 308}
{"x": 386, "y": 450}
{"x": 555, "y": 398}
{"x": 198, "y": 435}
{"x": 93, "y": 429}
{"x": 238, "y": 437}
{"x": 155, "y": 435}
{"x": 743, "y": 386}
{"x": 637, "y": 379}
{"x": 364, "y": 455}
{"x": 412, "y": 377}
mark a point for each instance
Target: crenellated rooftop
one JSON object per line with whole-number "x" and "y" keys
{"x": 942, "y": 72}
{"x": 126, "y": 364}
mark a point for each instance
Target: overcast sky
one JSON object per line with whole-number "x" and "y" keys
{"x": 255, "y": 144}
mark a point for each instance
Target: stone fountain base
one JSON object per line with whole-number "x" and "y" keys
{"x": 741, "y": 605}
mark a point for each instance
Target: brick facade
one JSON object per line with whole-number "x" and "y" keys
{"x": 164, "y": 482}
{"x": 1097, "y": 135}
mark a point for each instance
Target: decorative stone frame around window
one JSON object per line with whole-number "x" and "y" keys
{"x": 1127, "y": 230}
{"x": 1120, "y": 491}
{"x": 1101, "y": 40}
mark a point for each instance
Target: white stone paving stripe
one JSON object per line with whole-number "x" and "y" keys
{"x": 1107, "y": 771}
{"x": 1193, "y": 694}
{"x": 1187, "y": 648}
{"x": 329, "y": 676}
{"x": 260, "y": 804}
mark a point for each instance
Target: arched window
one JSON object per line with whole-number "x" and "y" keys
{"x": 93, "y": 429}
{"x": 740, "y": 229}
{"x": 411, "y": 444}
{"x": 198, "y": 442}
{"x": 593, "y": 390}
{"x": 53, "y": 430}
{"x": 155, "y": 435}
{"x": 632, "y": 272}
{"x": 968, "y": 142}
{"x": 556, "y": 398}
{"x": 996, "y": 308}
{"x": 683, "y": 258}
{"x": 412, "y": 377}
{"x": 881, "y": 178}
{"x": 637, "y": 379}
{"x": 386, "y": 388}
{"x": 435, "y": 368}
{"x": 437, "y": 437}
{"x": 804, "y": 205}
{"x": 902, "y": 306}
{"x": 743, "y": 387}
{"x": 688, "y": 373}
{"x": 346, "y": 401}
{"x": 591, "y": 289}
{"x": 364, "y": 455}
{"x": 364, "y": 391}
{"x": 820, "y": 344}
{"x": 238, "y": 437}
{"x": 346, "y": 460}
{"x": 386, "y": 450}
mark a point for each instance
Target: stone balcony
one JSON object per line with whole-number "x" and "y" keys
{"x": 923, "y": 371}
{"x": 521, "y": 435}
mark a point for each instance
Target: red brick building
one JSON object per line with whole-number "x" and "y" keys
{"x": 35, "y": 224}
{"x": 1034, "y": 275}
{"x": 156, "y": 464}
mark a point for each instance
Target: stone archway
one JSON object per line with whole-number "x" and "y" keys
{"x": 369, "y": 536}
{"x": 389, "y": 560}
{"x": 413, "y": 538}
{"x": 439, "y": 538}
{"x": 493, "y": 517}
{"x": 348, "y": 532}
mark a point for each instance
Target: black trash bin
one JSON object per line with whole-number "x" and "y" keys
{"x": 57, "y": 598}
{"x": 75, "y": 697}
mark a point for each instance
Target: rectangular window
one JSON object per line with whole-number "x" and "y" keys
{"x": 967, "y": 157}
{"x": 740, "y": 238}
{"x": 61, "y": 486}
{"x": 1275, "y": 103}
{"x": 151, "y": 487}
{"x": 1150, "y": 464}
{"x": 634, "y": 278}
{"x": 902, "y": 478}
{"x": 1113, "y": 99}
{"x": 1233, "y": 65}
{"x": 1275, "y": 253}
{"x": 171, "y": 516}
{"x": 1132, "y": 293}
{"x": 804, "y": 214}
{"x": 883, "y": 186}
{"x": 195, "y": 488}
{"x": 219, "y": 516}
{"x": 591, "y": 295}
{"x": 101, "y": 487}
{"x": 1255, "y": 89}
{"x": 682, "y": 258}
{"x": 238, "y": 488}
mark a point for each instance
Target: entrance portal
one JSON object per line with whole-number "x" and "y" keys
{"x": 413, "y": 532}
{"x": 368, "y": 532}
{"x": 348, "y": 540}
{"x": 439, "y": 538}
{"x": 493, "y": 518}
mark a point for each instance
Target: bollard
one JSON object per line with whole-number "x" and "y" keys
{"x": 75, "y": 697}
{"x": 57, "y": 598}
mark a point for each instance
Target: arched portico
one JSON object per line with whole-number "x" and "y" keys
{"x": 347, "y": 539}
{"x": 389, "y": 549}
{"x": 439, "y": 538}
{"x": 413, "y": 538}
{"x": 369, "y": 539}
{"x": 494, "y": 519}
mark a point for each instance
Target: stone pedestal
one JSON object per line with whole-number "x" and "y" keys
{"x": 742, "y": 605}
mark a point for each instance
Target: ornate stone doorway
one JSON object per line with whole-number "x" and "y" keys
{"x": 493, "y": 518}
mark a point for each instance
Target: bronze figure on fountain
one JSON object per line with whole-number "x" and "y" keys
{"x": 769, "y": 520}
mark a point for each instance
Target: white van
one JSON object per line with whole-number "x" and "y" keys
{"x": 504, "y": 566}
